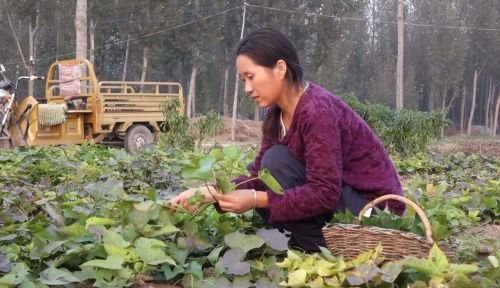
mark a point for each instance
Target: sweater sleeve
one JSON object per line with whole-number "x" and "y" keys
{"x": 323, "y": 157}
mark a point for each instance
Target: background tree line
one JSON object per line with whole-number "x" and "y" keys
{"x": 451, "y": 59}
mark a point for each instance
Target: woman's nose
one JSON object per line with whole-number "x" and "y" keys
{"x": 248, "y": 88}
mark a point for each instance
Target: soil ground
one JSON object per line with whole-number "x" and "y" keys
{"x": 486, "y": 145}
{"x": 247, "y": 133}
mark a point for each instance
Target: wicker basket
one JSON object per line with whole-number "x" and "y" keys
{"x": 349, "y": 240}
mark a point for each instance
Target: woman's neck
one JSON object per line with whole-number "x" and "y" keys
{"x": 288, "y": 101}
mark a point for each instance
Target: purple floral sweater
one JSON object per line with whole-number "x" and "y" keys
{"x": 337, "y": 147}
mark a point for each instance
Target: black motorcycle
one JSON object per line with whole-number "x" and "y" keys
{"x": 8, "y": 92}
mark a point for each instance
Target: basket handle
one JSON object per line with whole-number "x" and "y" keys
{"x": 420, "y": 212}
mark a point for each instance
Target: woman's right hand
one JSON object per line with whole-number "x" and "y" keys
{"x": 181, "y": 201}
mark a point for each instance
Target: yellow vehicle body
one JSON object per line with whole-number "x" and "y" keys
{"x": 111, "y": 110}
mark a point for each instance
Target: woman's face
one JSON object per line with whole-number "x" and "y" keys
{"x": 264, "y": 85}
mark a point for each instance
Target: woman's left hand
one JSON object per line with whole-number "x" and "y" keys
{"x": 237, "y": 201}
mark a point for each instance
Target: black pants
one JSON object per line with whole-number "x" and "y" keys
{"x": 290, "y": 172}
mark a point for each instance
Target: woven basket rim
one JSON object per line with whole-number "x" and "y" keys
{"x": 374, "y": 229}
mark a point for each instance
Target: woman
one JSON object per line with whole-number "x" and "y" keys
{"x": 323, "y": 154}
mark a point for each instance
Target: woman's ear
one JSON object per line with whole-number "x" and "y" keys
{"x": 280, "y": 69}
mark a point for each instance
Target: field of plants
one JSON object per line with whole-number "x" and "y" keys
{"x": 90, "y": 215}
{"x": 96, "y": 215}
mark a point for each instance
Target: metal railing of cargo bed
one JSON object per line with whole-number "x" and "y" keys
{"x": 145, "y": 97}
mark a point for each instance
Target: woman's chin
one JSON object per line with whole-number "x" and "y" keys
{"x": 262, "y": 104}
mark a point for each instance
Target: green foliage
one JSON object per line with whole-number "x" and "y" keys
{"x": 406, "y": 132}
{"x": 369, "y": 270}
{"x": 100, "y": 218}
{"x": 208, "y": 125}
{"x": 179, "y": 132}
{"x": 175, "y": 127}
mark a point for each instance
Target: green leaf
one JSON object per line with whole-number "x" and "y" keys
{"x": 128, "y": 254}
{"x": 295, "y": 255}
{"x": 201, "y": 169}
{"x": 224, "y": 184}
{"x": 232, "y": 152}
{"x": 113, "y": 238}
{"x": 324, "y": 268}
{"x": 439, "y": 258}
{"x": 98, "y": 221}
{"x": 143, "y": 206}
{"x": 113, "y": 262}
{"x": 270, "y": 181}
{"x": 196, "y": 198}
{"x": 464, "y": 268}
{"x": 327, "y": 254}
{"x": 74, "y": 230}
{"x": 297, "y": 278}
{"x": 17, "y": 274}
{"x": 391, "y": 270}
{"x": 493, "y": 261}
{"x": 242, "y": 241}
{"x": 439, "y": 231}
{"x": 152, "y": 194}
{"x": 423, "y": 266}
{"x": 491, "y": 202}
{"x": 318, "y": 282}
{"x": 170, "y": 272}
{"x": 54, "y": 276}
{"x": 179, "y": 255}
{"x": 110, "y": 190}
{"x": 195, "y": 269}
{"x": 167, "y": 229}
{"x": 151, "y": 251}
{"x": 214, "y": 255}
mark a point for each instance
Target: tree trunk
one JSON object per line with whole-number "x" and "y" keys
{"x": 492, "y": 107}
{"x": 495, "y": 119}
{"x": 92, "y": 41}
{"x": 92, "y": 34}
{"x": 193, "y": 96}
{"x": 237, "y": 81}
{"x": 430, "y": 100}
{"x": 81, "y": 29}
{"x": 125, "y": 62}
{"x": 443, "y": 105}
{"x": 191, "y": 92}
{"x": 32, "y": 46}
{"x": 471, "y": 115}
{"x": 256, "y": 113}
{"x": 18, "y": 44}
{"x": 58, "y": 21}
{"x": 127, "y": 49}
{"x": 399, "y": 68}
{"x": 144, "y": 66}
{"x": 225, "y": 106}
{"x": 487, "y": 105}
{"x": 220, "y": 95}
{"x": 462, "y": 108}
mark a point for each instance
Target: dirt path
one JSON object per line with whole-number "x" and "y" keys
{"x": 247, "y": 133}
{"x": 488, "y": 146}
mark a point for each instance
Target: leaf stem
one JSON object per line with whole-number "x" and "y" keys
{"x": 246, "y": 181}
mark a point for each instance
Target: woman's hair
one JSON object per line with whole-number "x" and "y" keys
{"x": 265, "y": 46}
